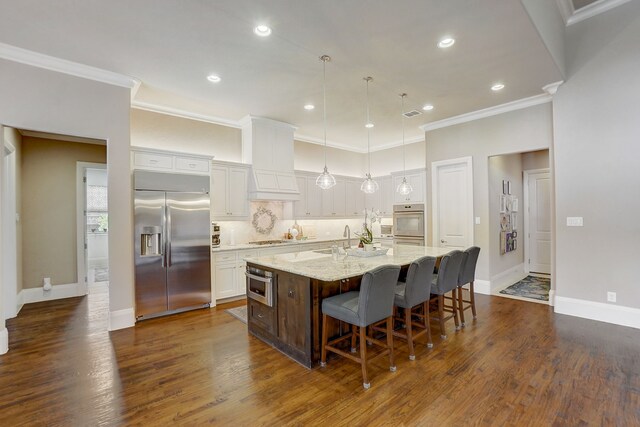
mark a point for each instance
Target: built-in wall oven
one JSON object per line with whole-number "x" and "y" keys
{"x": 408, "y": 224}
{"x": 260, "y": 285}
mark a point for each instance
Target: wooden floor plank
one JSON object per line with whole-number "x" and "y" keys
{"x": 518, "y": 364}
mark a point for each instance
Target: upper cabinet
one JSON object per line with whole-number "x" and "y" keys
{"x": 166, "y": 161}
{"x": 355, "y": 198}
{"x": 333, "y": 200}
{"x": 229, "y": 191}
{"x": 417, "y": 179}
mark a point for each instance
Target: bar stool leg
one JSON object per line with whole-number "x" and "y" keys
{"x": 354, "y": 335}
{"x": 461, "y": 306}
{"x": 454, "y": 307}
{"x": 473, "y": 300}
{"x": 323, "y": 357}
{"x": 427, "y": 324}
{"x": 363, "y": 357}
{"x": 409, "y": 330}
{"x": 443, "y": 331}
{"x": 392, "y": 363}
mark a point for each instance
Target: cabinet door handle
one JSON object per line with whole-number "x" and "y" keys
{"x": 291, "y": 293}
{"x": 153, "y": 161}
{"x": 260, "y": 316}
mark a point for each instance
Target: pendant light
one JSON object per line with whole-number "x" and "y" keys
{"x": 325, "y": 180}
{"x": 404, "y": 188}
{"x": 369, "y": 185}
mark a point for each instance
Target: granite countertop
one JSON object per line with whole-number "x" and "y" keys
{"x": 241, "y": 246}
{"x": 323, "y": 267}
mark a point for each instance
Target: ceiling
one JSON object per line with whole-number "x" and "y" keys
{"x": 171, "y": 46}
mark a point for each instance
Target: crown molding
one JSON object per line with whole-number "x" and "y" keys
{"x": 176, "y": 112}
{"x": 395, "y": 144}
{"x": 332, "y": 144}
{"x": 552, "y": 88}
{"x": 572, "y": 16}
{"x": 35, "y": 59}
{"x": 488, "y": 112}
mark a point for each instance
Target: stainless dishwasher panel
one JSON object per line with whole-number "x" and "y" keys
{"x": 150, "y": 273}
{"x": 188, "y": 250}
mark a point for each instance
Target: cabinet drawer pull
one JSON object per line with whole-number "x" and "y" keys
{"x": 260, "y": 315}
{"x": 192, "y": 165}
{"x": 291, "y": 293}
{"x": 153, "y": 161}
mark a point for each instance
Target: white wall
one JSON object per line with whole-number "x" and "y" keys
{"x": 513, "y": 132}
{"x": 384, "y": 162}
{"x": 38, "y": 99}
{"x": 310, "y": 157}
{"x": 596, "y": 115}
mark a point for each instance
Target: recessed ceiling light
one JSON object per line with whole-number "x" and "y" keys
{"x": 262, "y": 30}
{"x": 428, "y": 107}
{"x": 309, "y": 107}
{"x": 213, "y": 78}
{"x": 446, "y": 42}
{"x": 369, "y": 125}
{"x": 496, "y": 87}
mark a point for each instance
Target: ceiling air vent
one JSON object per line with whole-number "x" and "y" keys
{"x": 411, "y": 113}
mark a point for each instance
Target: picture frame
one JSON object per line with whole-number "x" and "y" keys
{"x": 514, "y": 221}
{"x": 514, "y": 204}
{"x": 509, "y": 187}
{"x": 505, "y": 187}
{"x": 505, "y": 222}
{"x": 503, "y": 203}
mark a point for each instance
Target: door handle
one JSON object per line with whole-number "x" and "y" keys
{"x": 443, "y": 241}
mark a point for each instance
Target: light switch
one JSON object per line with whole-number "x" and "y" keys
{"x": 574, "y": 221}
{"x": 477, "y": 220}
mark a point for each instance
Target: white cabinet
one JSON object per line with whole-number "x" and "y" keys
{"x": 226, "y": 280}
{"x": 355, "y": 198}
{"x": 166, "y": 161}
{"x": 333, "y": 200}
{"x": 387, "y": 192}
{"x": 229, "y": 191}
{"x": 314, "y": 198}
{"x": 417, "y": 179}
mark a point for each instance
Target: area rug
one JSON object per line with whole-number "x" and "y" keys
{"x": 530, "y": 287}
{"x": 239, "y": 313}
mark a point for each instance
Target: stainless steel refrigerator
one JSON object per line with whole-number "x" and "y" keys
{"x": 172, "y": 248}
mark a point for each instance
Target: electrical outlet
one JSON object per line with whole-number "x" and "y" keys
{"x": 477, "y": 220}
{"x": 574, "y": 221}
{"x": 611, "y": 296}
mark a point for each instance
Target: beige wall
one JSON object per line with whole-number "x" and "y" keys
{"x": 310, "y": 157}
{"x": 596, "y": 150}
{"x": 49, "y": 208}
{"x": 535, "y": 160}
{"x": 509, "y": 168}
{"x": 384, "y": 162}
{"x": 37, "y": 99}
{"x": 518, "y": 131}
{"x": 165, "y": 132}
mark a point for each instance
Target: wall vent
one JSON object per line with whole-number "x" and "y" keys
{"x": 411, "y": 113}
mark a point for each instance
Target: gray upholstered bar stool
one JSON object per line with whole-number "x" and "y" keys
{"x": 447, "y": 281}
{"x": 467, "y": 275}
{"x": 373, "y": 303}
{"x": 413, "y": 294}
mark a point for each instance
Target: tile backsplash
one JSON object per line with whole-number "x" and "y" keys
{"x": 238, "y": 232}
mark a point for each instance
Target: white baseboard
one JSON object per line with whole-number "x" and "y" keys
{"x": 609, "y": 313}
{"x": 507, "y": 277}
{"x": 482, "y": 287}
{"x": 552, "y": 297}
{"x": 121, "y": 319}
{"x": 4, "y": 340}
{"x": 69, "y": 290}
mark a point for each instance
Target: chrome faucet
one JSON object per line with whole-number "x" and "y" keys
{"x": 347, "y": 234}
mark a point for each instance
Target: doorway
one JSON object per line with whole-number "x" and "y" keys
{"x": 537, "y": 221}
{"x": 93, "y": 226}
{"x": 452, "y": 200}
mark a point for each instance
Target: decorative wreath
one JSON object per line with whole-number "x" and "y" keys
{"x": 263, "y": 220}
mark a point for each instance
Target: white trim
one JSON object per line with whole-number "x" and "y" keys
{"x": 592, "y": 10}
{"x": 81, "y": 258}
{"x": 507, "y": 278}
{"x": 395, "y": 144}
{"x": 482, "y": 286}
{"x": 488, "y": 112}
{"x": 566, "y": 9}
{"x": 121, "y": 319}
{"x": 19, "y": 302}
{"x": 35, "y": 59}
{"x": 525, "y": 207}
{"x": 320, "y": 141}
{"x": 176, "y": 112}
{"x": 434, "y": 196}
{"x": 4, "y": 340}
{"x": 68, "y": 290}
{"x": 609, "y": 313}
{"x": 8, "y": 216}
{"x": 552, "y": 297}
{"x": 552, "y": 88}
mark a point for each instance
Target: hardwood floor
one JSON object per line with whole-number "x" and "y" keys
{"x": 518, "y": 364}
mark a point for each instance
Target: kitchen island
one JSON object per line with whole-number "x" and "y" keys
{"x": 284, "y": 308}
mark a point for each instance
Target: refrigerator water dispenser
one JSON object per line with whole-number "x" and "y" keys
{"x": 151, "y": 241}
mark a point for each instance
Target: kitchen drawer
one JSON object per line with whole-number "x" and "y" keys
{"x": 262, "y": 316}
{"x": 156, "y": 161}
{"x": 193, "y": 165}
{"x": 225, "y": 257}
{"x": 245, "y": 254}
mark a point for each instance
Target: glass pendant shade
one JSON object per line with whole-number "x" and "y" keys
{"x": 325, "y": 180}
{"x": 404, "y": 188}
{"x": 369, "y": 185}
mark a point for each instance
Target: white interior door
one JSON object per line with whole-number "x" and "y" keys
{"x": 452, "y": 182}
{"x": 538, "y": 235}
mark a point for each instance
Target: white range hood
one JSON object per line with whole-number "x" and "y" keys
{"x": 267, "y": 145}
